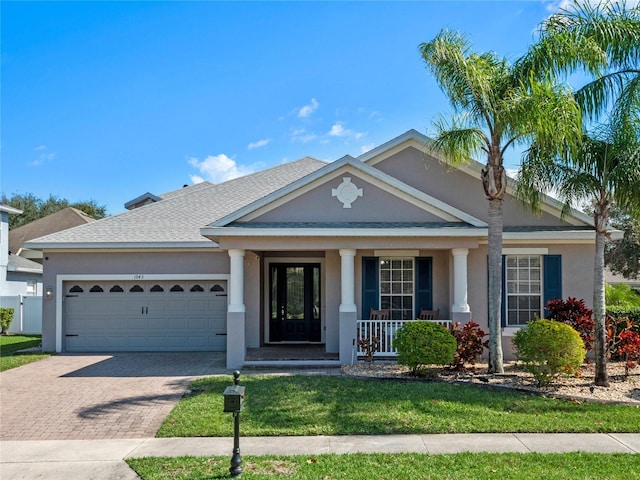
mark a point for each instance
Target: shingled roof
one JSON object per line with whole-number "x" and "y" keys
{"x": 61, "y": 220}
{"x": 178, "y": 217}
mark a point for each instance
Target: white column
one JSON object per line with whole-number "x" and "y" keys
{"x": 347, "y": 280}
{"x": 460, "y": 304}
{"x": 348, "y": 311}
{"x": 236, "y": 343}
{"x": 236, "y": 282}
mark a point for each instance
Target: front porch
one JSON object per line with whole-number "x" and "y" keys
{"x": 292, "y": 356}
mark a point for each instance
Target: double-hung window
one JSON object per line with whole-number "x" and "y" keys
{"x": 396, "y": 287}
{"x": 524, "y": 289}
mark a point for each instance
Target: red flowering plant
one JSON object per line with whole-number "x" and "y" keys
{"x": 629, "y": 346}
{"x": 471, "y": 344}
{"x": 574, "y": 313}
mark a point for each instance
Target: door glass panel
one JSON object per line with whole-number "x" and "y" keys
{"x": 295, "y": 293}
{"x": 316, "y": 293}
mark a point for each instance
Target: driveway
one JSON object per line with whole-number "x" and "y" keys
{"x": 98, "y": 396}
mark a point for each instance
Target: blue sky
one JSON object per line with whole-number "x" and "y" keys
{"x": 109, "y": 100}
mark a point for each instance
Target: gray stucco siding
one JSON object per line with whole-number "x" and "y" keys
{"x": 457, "y": 188}
{"x": 119, "y": 263}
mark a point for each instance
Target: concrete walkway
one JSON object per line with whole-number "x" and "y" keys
{"x": 103, "y": 459}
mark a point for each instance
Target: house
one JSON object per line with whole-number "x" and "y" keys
{"x": 298, "y": 254}
{"x": 61, "y": 220}
{"x": 20, "y": 282}
{"x": 18, "y": 276}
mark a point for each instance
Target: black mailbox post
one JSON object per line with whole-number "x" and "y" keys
{"x": 233, "y": 403}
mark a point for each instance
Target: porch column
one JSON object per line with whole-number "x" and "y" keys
{"x": 460, "y": 311}
{"x": 236, "y": 344}
{"x": 348, "y": 311}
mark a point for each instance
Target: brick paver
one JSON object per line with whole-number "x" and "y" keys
{"x": 101, "y": 396}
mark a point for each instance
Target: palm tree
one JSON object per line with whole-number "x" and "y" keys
{"x": 495, "y": 107}
{"x": 606, "y": 171}
{"x": 603, "y": 40}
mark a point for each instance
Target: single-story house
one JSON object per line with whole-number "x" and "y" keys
{"x": 299, "y": 253}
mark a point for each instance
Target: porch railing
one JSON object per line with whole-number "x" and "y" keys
{"x": 385, "y": 332}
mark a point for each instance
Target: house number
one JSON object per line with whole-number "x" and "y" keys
{"x": 138, "y": 276}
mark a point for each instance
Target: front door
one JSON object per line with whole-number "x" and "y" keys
{"x": 294, "y": 312}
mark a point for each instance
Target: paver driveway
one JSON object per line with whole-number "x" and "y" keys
{"x": 98, "y": 396}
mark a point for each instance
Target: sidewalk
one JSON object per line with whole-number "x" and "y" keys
{"x": 103, "y": 459}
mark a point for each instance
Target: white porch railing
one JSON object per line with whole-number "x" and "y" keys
{"x": 385, "y": 332}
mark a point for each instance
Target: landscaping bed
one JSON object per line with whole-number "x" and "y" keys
{"x": 579, "y": 387}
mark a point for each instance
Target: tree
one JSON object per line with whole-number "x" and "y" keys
{"x": 34, "y": 208}
{"x": 623, "y": 256}
{"x": 606, "y": 169}
{"x": 495, "y": 105}
{"x": 603, "y": 40}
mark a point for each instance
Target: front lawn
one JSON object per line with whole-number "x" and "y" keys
{"x": 329, "y": 405}
{"x": 10, "y": 344}
{"x": 398, "y": 466}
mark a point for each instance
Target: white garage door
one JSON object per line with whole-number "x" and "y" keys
{"x": 145, "y": 316}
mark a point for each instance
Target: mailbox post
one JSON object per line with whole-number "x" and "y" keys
{"x": 233, "y": 403}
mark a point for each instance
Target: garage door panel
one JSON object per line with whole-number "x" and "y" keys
{"x": 144, "y": 316}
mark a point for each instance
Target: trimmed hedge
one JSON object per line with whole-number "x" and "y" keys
{"x": 424, "y": 343}
{"x": 6, "y": 317}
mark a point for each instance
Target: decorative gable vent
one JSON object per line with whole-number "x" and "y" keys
{"x": 346, "y": 192}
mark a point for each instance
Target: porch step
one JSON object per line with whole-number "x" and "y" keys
{"x": 292, "y": 363}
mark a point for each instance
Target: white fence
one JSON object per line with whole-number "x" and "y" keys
{"x": 385, "y": 332}
{"x": 27, "y": 313}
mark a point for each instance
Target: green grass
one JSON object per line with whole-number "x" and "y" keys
{"x": 329, "y": 405}
{"x": 399, "y": 466}
{"x": 10, "y": 344}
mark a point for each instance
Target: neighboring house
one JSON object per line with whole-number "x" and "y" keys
{"x": 20, "y": 282}
{"x": 61, "y": 220}
{"x": 299, "y": 253}
{"x": 614, "y": 279}
{"x": 18, "y": 276}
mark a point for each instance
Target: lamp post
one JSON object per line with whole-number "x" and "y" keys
{"x": 233, "y": 403}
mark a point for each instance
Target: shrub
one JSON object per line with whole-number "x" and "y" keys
{"x": 574, "y": 313}
{"x": 633, "y": 314}
{"x": 369, "y": 347}
{"x": 471, "y": 344}
{"x": 6, "y": 317}
{"x": 548, "y": 348}
{"x": 629, "y": 346}
{"x": 424, "y": 343}
{"x": 621, "y": 296}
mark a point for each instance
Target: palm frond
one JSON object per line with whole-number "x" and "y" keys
{"x": 458, "y": 141}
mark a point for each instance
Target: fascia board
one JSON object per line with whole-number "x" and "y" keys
{"x": 204, "y": 245}
{"x": 24, "y": 270}
{"x": 550, "y": 235}
{"x": 10, "y": 210}
{"x": 343, "y": 232}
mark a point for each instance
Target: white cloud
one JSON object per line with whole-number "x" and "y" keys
{"x": 260, "y": 143}
{"x": 556, "y": 5}
{"x": 338, "y": 130}
{"x": 301, "y": 135}
{"x": 43, "y": 156}
{"x": 366, "y": 148}
{"x": 217, "y": 168}
{"x": 307, "y": 110}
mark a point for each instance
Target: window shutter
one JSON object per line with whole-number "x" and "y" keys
{"x": 503, "y": 293}
{"x": 370, "y": 285}
{"x": 552, "y": 266}
{"x": 424, "y": 284}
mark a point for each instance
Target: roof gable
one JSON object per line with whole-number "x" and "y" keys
{"x": 330, "y": 180}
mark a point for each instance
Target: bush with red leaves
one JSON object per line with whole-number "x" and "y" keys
{"x": 574, "y": 313}
{"x": 471, "y": 344}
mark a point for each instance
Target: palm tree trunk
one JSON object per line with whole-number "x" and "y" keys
{"x": 599, "y": 314}
{"x": 495, "y": 285}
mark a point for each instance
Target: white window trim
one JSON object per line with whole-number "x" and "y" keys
{"x": 541, "y": 312}
{"x": 413, "y": 280}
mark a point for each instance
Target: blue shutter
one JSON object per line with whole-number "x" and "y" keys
{"x": 552, "y": 273}
{"x": 503, "y": 293}
{"x": 370, "y": 285}
{"x": 423, "y": 284}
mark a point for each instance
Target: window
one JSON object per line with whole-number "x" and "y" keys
{"x": 524, "y": 288}
{"x": 32, "y": 287}
{"x": 396, "y": 287}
